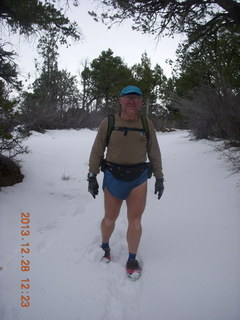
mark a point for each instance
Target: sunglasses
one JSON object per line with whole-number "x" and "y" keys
{"x": 132, "y": 97}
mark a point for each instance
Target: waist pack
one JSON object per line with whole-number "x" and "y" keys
{"x": 127, "y": 173}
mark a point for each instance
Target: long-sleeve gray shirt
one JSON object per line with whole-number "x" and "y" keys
{"x": 126, "y": 149}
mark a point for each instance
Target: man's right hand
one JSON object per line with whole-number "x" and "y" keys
{"x": 93, "y": 184}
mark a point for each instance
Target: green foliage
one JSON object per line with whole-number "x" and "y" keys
{"x": 29, "y": 17}
{"x": 10, "y": 136}
{"x": 53, "y": 92}
{"x": 8, "y": 68}
{"x": 206, "y": 84}
{"x": 218, "y": 60}
{"x": 104, "y": 79}
{"x": 152, "y": 82}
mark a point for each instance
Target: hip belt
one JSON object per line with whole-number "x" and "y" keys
{"x": 127, "y": 173}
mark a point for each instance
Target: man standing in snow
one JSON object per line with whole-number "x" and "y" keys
{"x": 129, "y": 139}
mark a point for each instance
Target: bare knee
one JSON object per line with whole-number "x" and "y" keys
{"x": 108, "y": 222}
{"x": 135, "y": 223}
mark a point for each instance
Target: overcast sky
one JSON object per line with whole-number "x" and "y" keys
{"x": 122, "y": 40}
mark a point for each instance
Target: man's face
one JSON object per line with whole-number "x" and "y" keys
{"x": 130, "y": 103}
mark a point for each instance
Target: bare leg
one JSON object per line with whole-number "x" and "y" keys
{"x": 136, "y": 203}
{"x": 112, "y": 209}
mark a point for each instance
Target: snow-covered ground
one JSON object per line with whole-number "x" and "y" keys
{"x": 189, "y": 248}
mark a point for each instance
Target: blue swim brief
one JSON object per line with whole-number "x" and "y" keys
{"x": 121, "y": 189}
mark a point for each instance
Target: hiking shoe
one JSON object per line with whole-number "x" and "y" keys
{"x": 133, "y": 269}
{"x": 106, "y": 257}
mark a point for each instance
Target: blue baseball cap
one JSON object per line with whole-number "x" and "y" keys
{"x": 131, "y": 90}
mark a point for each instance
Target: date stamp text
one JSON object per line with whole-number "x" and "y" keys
{"x": 25, "y": 261}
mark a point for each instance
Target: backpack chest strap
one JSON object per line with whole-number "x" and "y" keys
{"x": 111, "y": 127}
{"x": 126, "y": 130}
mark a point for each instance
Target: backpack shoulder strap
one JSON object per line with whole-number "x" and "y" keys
{"x": 111, "y": 123}
{"x": 145, "y": 126}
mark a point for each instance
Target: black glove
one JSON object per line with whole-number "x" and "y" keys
{"x": 92, "y": 185}
{"x": 159, "y": 187}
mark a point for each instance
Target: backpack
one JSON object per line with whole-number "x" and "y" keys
{"x": 111, "y": 127}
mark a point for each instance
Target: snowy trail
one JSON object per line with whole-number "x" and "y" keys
{"x": 189, "y": 247}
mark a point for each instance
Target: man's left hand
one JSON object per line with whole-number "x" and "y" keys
{"x": 159, "y": 187}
